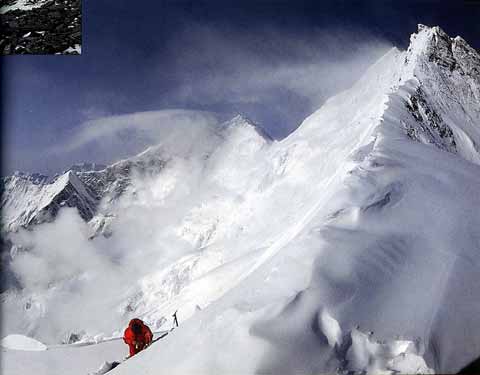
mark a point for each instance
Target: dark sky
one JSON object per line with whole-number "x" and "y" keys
{"x": 274, "y": 61}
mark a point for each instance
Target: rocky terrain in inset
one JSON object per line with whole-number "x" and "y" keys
{"x": 41, "y": 27}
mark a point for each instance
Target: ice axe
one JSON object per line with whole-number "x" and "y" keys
{"x": 175, "y": 320}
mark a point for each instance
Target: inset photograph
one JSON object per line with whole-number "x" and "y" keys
{"x": 41, "y": 27}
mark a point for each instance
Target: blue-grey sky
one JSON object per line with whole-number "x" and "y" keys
{"x": 274, "y": 61}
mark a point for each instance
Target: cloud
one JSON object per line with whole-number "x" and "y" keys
{"x": 274, "y": 75}
{"x": 107, "y": 139}
{"x": 59, "y": 272}
{"x": 277, "y": 76}
{"x": 70, "y": 282}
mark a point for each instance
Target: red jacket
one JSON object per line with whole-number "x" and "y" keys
{"x": 137, "y": 336}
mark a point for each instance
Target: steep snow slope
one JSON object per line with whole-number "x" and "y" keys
{"x": 392, "y": 253}
{"x": 350, "y": 245}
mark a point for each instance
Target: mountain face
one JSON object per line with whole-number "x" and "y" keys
{"x": 30, "y": 199}
{"x": 446, "y": 96}
{"x": 351, "y": 245}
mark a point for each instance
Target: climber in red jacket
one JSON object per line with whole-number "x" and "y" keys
{"x": 138, "y": 336}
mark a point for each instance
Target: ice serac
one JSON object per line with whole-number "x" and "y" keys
{"x": 375, "y": 266}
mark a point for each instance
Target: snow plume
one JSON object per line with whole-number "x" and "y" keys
{"x": 59, "y": 266}
{"x": 108, "y": 139}
{"x": 59, "y": 269}
{"x": 275, "y": 76}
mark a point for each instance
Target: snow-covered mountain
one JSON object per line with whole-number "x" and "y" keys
{"x": 30, "y": 199}
{"x": 351, "y": 245}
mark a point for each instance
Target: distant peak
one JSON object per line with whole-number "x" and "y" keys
{"x": 35, "y": 178}
{"x": 240, "y": 117}
{"x": 65, "y": 178}
{"x": 242, "y": 120}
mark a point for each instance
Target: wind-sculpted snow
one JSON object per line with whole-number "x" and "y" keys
{"x": 408, "y": 267}
{"x": 351, "y": 245}
{"x": 396, "y": 247}
{"x": 19, "y": 342}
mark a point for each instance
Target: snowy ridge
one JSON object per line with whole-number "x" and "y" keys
{"x": 351, "y": 245}
{"x": 396, "y": 103}
{"x": 240, "y": 121}
{"x": 28, "y": 200}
